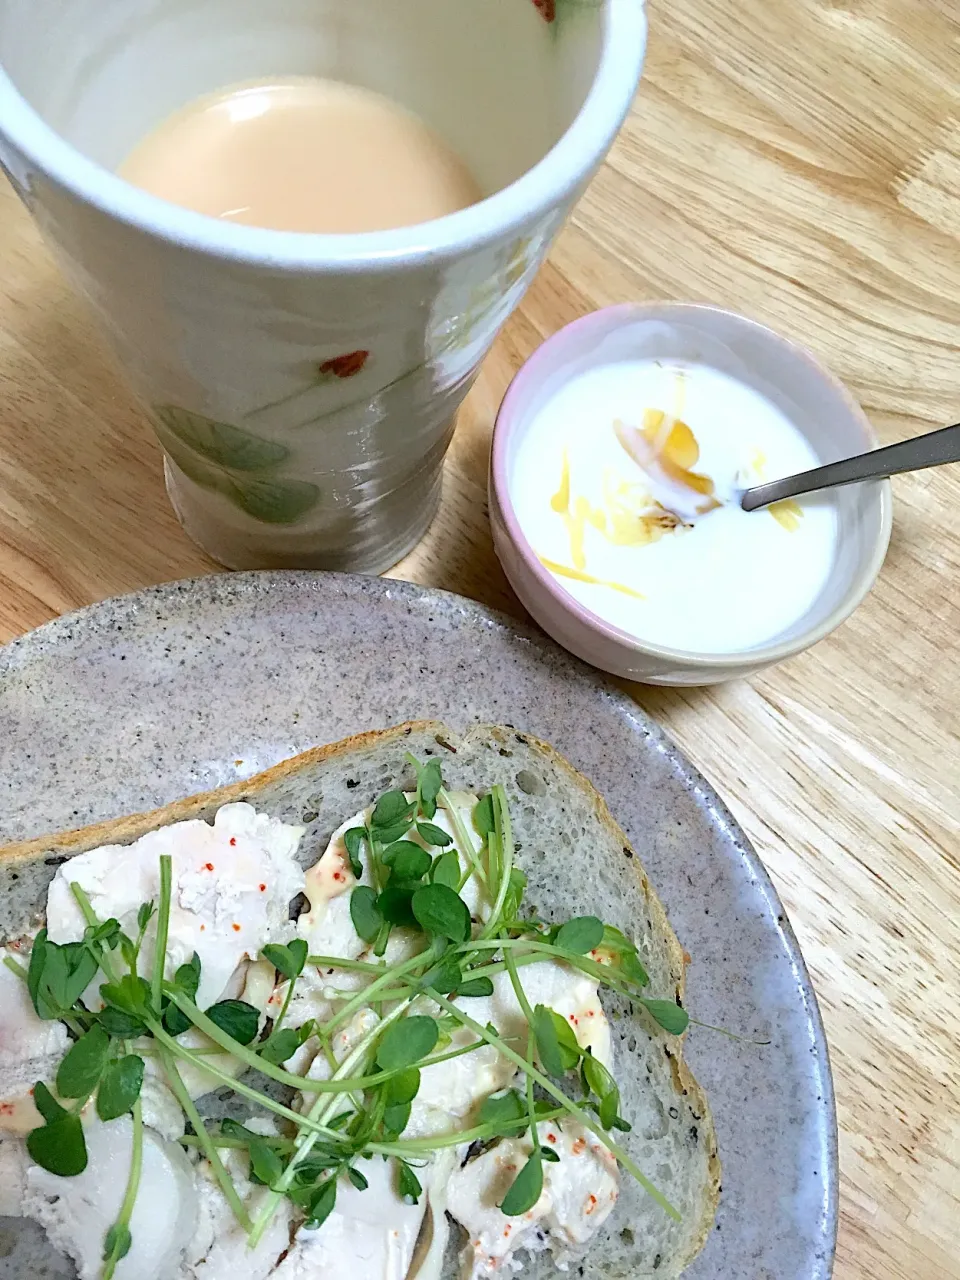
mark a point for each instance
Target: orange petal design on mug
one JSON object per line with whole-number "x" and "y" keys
{"x": 347, "y": 366}
{"x": 548, "y": 8}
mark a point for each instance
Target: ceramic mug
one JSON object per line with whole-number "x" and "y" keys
{"x": 304, "y": 387}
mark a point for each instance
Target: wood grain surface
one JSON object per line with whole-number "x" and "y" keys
{"x": 797, "y": 160}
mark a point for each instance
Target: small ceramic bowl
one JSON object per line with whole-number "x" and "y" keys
{"x": 812, "y": 398}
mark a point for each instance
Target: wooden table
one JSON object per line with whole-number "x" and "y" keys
{"x": 797, "y": 160}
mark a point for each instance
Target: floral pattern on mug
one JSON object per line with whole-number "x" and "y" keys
{"x": 548, "y": 8}
{"x": 235, "y": 463}
{"x": 347, "y": 366}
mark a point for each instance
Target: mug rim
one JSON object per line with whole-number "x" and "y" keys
{"x": 549, "y": 183}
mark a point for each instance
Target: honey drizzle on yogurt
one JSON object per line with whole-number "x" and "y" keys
{"x": 628, "y": 518}
{"x": 787, "y": 512}
{"x": 632, "y": 517}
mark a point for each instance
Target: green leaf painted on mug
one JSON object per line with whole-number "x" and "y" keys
{"x": 219, "y": 442}
{"x": 193, "y": 468}
{"x": 273, "y": 501}
{"x": 222, "y": 459}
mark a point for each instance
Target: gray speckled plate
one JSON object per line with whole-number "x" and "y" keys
{"x": 138, "y": 701}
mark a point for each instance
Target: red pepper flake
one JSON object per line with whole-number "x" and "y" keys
{"x": 579, "y": 1146}
{"x": 233, "y": 841}
{"x": 202, "y": 927}
{"x": 590, "y": 1205}
{"x": 7, "y": 1108}
{"x": 338, "y": 875}
{"x": 551, "y": 1137}
{"x": 236, "y": 928}
{"x": 209, "y": 866}
{"x": 263, "y": 888}
{"x": 507, "y": 1229}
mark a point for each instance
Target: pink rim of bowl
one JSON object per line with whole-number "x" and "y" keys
{"x": 661, "y": 660}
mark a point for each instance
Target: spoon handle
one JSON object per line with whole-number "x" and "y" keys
{"x": 930, "y": 450}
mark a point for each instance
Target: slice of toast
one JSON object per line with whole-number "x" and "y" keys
{"x": 578, "y": 862}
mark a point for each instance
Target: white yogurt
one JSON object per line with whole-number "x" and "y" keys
{"x": 606, "y": 526}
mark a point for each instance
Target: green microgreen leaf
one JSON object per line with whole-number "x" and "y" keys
{"x": 669, "y": 1015}
{"x": 395, "y": 903}
{"x": 320, "y": 1204}
{"x": 475, "y": 987}
{"x": 66, "y": 973}
{"x": 408, "y": 1184}
{"x": 365, "y": 914}
{"x": 526, "y": 1189}
{"x": 175, "y": 1020}
{"x": 408, "y": 861}
{"x": 483, "y": 816}
{"x": 238, "y": 1019}
{"x": 444, "y": 977}
{"x": 402, "y": 1088}
{"x": 598, "y": 1080}
{"x": 633, "y": 970}
{"x": 120, "y": 1087}
{"x": 581, "y": 935}
{"x": 392, "y": 808}
{"x": 442, "y": 912}
{"x": 517, "y": 886}
{"x": 433, "y": 835}
{"x": 47, "y": 1104}
{"x": 130, "y": 995}
{"x": 144, "y": 916}
{"x": 550, "y": 1155}
{"x": 446, "y": 870}
{"x": 395, "y": 1119}
{"x": 396, "y": 831}
{"x": 407, "y": 1042}
{"x": 315, "y": 1166}
{"x": 548, "y": 1046}
{"x": 281, "y": 1046}
{"x": 59, "y": 1147}
{"x": 625, "y": 955}
{"x": 556, "y": 1042}
{"x": 103, "y": 935}
{"x": 429, "y": 786}
{"x": 81, "y": 1069}
{"x": 35, "y": 985}
{"x": 288, "y": 960}
{"x": 353, "y": 841}
{"x": 357, "y": 1178}
{"x": 116, "y": 1245}
{"x": 265, "y": 1164}
{"x": 503, "y": 1108}
{"x": 187, "y": 977}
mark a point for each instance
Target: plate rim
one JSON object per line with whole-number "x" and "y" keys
{"x": 118, "y": 608}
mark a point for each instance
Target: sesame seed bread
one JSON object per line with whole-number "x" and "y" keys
{"x": 578, "y": 862}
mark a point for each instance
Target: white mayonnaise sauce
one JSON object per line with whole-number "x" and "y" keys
{"x": 625, "y": 484}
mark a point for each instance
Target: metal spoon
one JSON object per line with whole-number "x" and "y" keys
{"x": 930, "y": 450}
